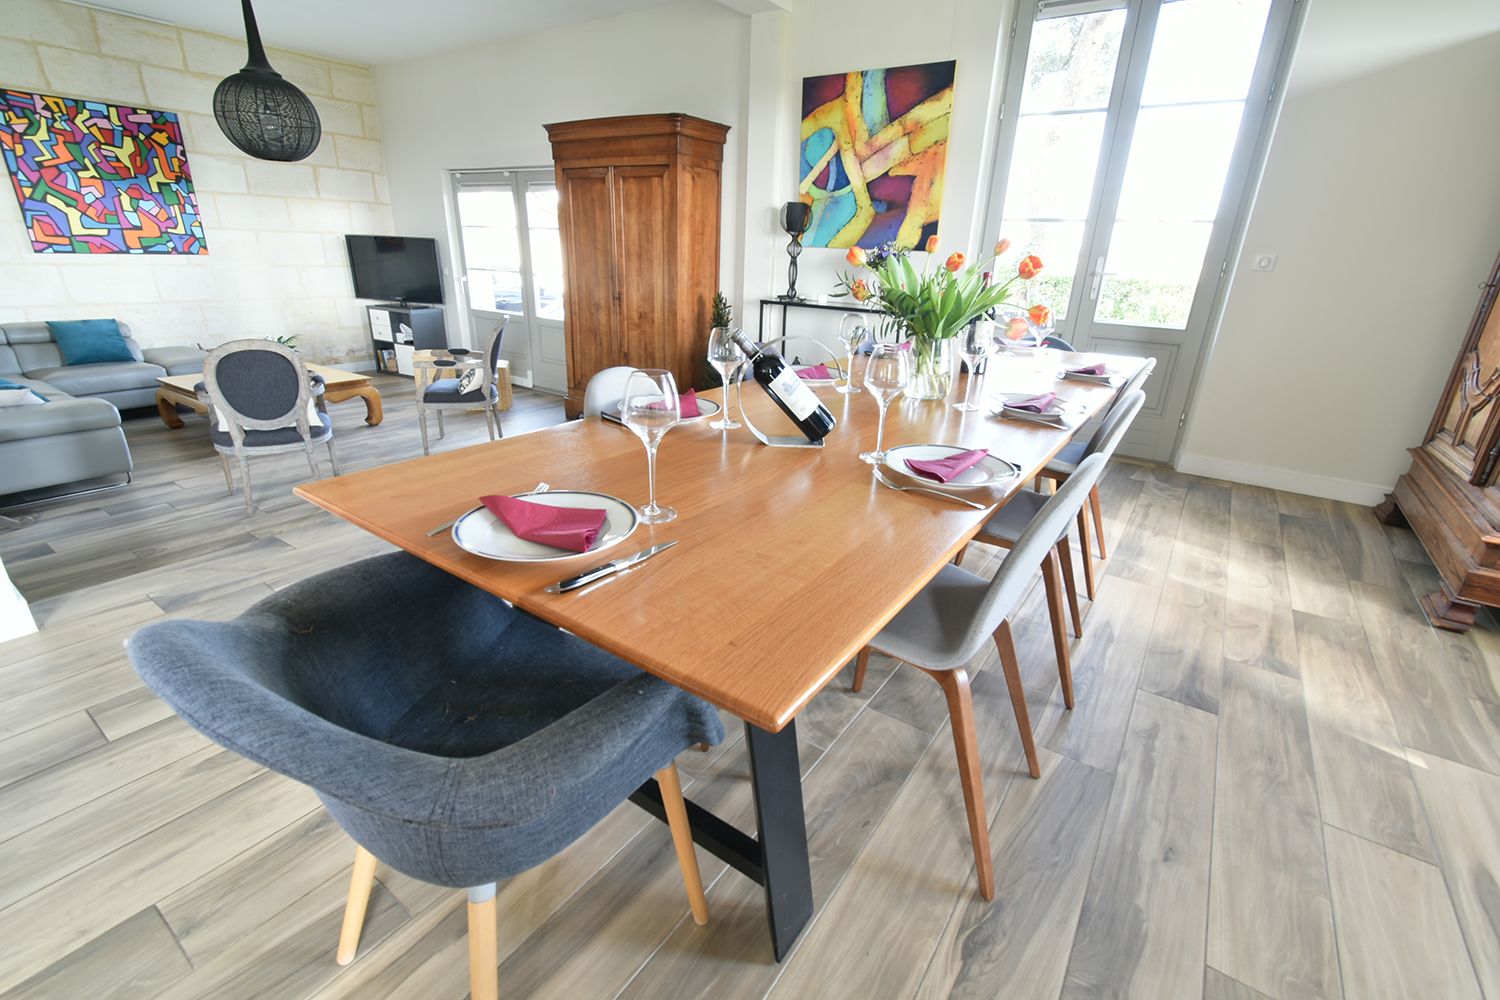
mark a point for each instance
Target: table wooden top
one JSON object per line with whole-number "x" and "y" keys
{"x": 331, "y": 377}
{"x": 790, "y": 560}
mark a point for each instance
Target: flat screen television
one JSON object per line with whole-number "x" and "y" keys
{"x": 403, "y": 268}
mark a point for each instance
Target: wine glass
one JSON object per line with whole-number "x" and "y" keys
{"x": 886, "y": 373}
{"x": 651, "y": 408}
{"x": 975, "y": 342}
{"x": 852, "y": 333}
{"x": 727, "y": 358}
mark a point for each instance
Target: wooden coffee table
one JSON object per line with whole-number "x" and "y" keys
{"x": 338, "y": 386}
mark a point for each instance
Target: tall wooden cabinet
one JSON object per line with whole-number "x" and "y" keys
{"x": 1451, "y": 494}
{"x": 639, "y": 205}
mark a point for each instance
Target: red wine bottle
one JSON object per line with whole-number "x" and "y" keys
{"x": 786, "y": 390}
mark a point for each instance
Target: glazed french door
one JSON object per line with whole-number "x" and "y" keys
{"x": 1128, "y": 133}
{"x": 512, "y": 269}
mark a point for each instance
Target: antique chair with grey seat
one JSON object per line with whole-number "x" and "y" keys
{"x": 474, "y": 389}
{"x": 461, "y": 742}
{"x": 949, "y": 620}
{"x": 605, "y": 390}
{"x": 262, "y": 404}
{"x": 1065, "y": 461}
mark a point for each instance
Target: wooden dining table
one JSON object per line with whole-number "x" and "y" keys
{"x": 788, "y": 561}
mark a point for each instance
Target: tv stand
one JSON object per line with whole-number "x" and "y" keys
{"x": 397, "y": 331}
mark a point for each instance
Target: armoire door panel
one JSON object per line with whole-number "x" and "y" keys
{"x": 642, "y": 280}
{"x": 593, "y": 339}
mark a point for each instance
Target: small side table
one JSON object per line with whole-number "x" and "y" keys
{"x": 427, "y": 372}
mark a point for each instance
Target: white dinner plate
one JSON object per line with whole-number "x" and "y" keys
{"x": 484, "y": 534}
{"x": 1110, "y": 377}
{"x": 834, "y": 369}
{"x": 706, "y": 408}
{"x": 987, "y": 472}
{"x": 1054, "y": 416}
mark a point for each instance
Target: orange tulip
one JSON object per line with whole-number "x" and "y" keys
{"x": 955, "y": 262}
{"x": 1016, "y": 328}
{"x": 1030, "y": 266}
{"x": 1040, "y": 315}
{"x": 1001, "y": 247}
{"x": 932, "y": 243}
{"x": 856, "y": 256}
{"x": 861, "y": 291}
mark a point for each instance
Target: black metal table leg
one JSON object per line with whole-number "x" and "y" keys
{"x": 776, "y": 784}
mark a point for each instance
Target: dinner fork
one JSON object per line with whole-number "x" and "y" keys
{"x": 540, "y": 488}
{"x": 924, "y": 489}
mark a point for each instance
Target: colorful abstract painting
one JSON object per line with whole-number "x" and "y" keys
{"x": 99, "y": 178}
{"x": 874, "y": 144}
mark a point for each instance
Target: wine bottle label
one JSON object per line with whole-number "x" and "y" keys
{"x": 798, "y": 397}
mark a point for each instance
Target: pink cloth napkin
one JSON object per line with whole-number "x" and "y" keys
{"x": 687, "y": 404}
{"x": 573, "y": 528}
{"x": 1036, "y": 404}
{"x": 905, "y": 345}
{"x": 816, "y": 371}
{"x": 946, "y": 469}
{"x": 1098, "y": 369}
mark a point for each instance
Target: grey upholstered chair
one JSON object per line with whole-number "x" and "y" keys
{"x": 1065, "y": 461}
{"x": 941, "y": 629}
{"x": 262, "y": 403}
{"x": 444, "y": 395}
{"x": 460, "y": 741}
{"x": 605, "y": 390}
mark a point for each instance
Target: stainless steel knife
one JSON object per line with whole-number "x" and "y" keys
{"x": 598, "y": 572}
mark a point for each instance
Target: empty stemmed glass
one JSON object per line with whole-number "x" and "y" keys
{"x": 651, "y": 408}
{"x": 886, "y": 374}
{"x": 974, "y": 344}
{"x": 852, "y": 333}
{"x": 727, "y": 358}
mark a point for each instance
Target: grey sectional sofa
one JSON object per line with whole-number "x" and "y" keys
{"x": 76, "y": 434}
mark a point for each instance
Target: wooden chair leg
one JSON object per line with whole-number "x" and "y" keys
{"x": 359, "y": 898}
{"x": 1006, "y": 644}
{"x": 332, "y": 458}
{"x": 682, "y": 839}
{"x": 1086, "y": 549}
{"x": 955, "y": 684}
{"x": 1064, "y": 664}
{"x": 958, "y": 560}
{"x": 441, "y": 432}
{"x": 860, "y": 665}
{"x": 422, "y": 419}
{"x": 1065, "y": 560}
{"x": 1052, "y": 583}
{"x": 245, "y": 478}
{"x": 1098, "y": 517}
{"x": 312, "y": 461}
{"x": 228, "y": 479}
{"x": 484, "y": 948}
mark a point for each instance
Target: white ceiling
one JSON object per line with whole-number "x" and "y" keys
{"x": 369, "y": 32}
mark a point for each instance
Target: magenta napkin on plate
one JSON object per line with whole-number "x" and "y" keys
{"x": 816, "y": 371}
{"x": 1099, "y": 369}
{"x": 573, "y": 528}
{"x": 946, "y": 469}
{"x": 687, "y": 404}
{"x": 1036, "y": 404}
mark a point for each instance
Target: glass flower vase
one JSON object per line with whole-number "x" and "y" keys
{"x": 932, "y": 368}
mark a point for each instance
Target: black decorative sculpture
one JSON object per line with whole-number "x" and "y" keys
{"x": 260, "y": 112}
{"x": 794, "y": 218}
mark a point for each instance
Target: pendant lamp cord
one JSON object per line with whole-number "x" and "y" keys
{"x": 258, "y": 58}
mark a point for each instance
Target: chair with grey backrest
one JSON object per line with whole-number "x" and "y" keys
{"x": 480, "y": 393}
{"x": 262, "y": 404}
{"x": 1065, "y": 461}
{"x": 461, "y": 741}
{"x": 949, "y": 620}
{"x": 605, "y": 390}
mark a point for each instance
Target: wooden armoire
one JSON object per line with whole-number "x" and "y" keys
{"x": 638, "y": 204}
{"x": 1451, "y": 494}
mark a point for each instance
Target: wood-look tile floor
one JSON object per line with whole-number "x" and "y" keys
{"x": 1278, "y": 781}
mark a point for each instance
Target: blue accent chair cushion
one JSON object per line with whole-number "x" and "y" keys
{"x": 90, "y": 341}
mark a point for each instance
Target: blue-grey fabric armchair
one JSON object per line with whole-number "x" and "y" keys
{"x": 444, "y": 393}
{"x": 262, "y": 404}
{"x": 452, "y": 736}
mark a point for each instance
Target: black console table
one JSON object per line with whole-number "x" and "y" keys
{"x": 843, "y": 306}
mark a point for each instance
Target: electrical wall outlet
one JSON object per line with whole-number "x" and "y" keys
{"x": 1265, "y": 262}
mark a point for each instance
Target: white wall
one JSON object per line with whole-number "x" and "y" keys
{"x": 1380, "y": 199}
{"x": 276, "y": 263}
{"x": 485, "y": 106}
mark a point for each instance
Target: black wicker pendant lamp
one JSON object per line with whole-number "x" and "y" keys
{"x": 262, "y": 113}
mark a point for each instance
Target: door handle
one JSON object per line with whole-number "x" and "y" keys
{"x": 1098, "y": 278}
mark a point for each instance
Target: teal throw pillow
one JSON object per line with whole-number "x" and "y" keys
{"x": 90, "y": 341}
{"x": 12, "y": 394}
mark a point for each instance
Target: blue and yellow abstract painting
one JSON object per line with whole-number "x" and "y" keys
{"x": 874, "y": 144}
{"x": 99, "y": 178}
